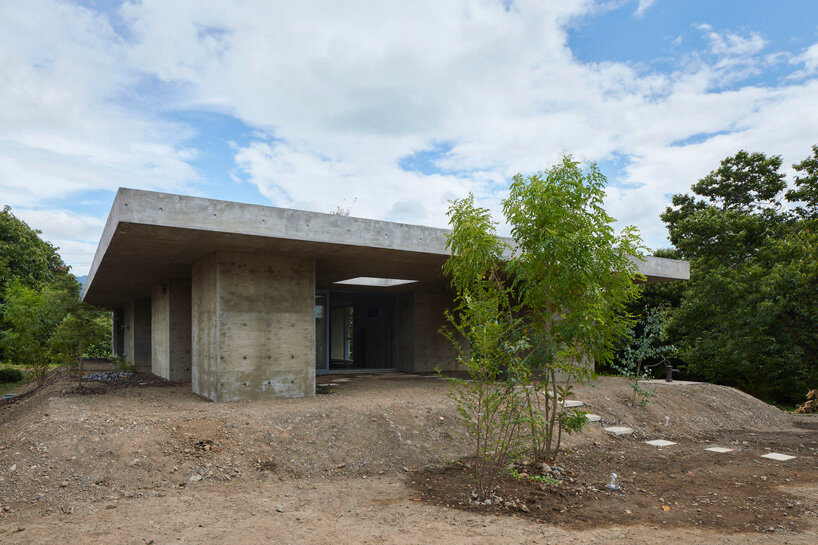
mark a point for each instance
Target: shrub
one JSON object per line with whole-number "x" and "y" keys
{"x": 9, "y": 374}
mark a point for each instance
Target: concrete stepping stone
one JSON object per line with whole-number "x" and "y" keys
{"x": 591, "y": 417}
{"x": 778, "y": 457}
{"x": 619, "y": 430}
{"x": 720, "y": 450}
{"x": 571, "y": 403}
{"x": 660, "y": 443}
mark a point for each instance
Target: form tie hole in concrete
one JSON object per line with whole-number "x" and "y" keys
{"x": 612, "y": 482}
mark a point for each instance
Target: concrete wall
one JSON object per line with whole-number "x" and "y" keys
{"x": 137, "y": 334}
{"x": 253, "y": 326}
{"x": 430, "y": 348}
{"x": 171, "y": 329}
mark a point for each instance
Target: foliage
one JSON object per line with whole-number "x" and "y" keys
{"x": 645, "y": 345}
{"x": 748, "y": 315}
{"x": 32, "y": 317}
{"x": 10, "y": 374}
{"x": 805, "y": 194}
{"x": 546, "y": 479}
{"x": 487, "y": 333}
{"x": 41, "y": 318}
{"x": 121, "y": 364}
{"x": 81, "y": 328}
{"x": 528, "y": 321}
{"x": 25, "y": 256}
{"x": 658, "y": 295}
{"x": 574, "y": 276}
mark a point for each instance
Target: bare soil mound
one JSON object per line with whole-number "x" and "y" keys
{"x": 62, "y": 448}
{"x": 677, "y": 486}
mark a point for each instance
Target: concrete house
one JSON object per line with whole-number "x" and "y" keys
{"x": 250, "y": 302}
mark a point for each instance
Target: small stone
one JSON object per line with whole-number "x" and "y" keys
{"x": 279, "y": 508}
{"x": 13, "y": 467}
{"x": 524, "y": 508}
{"x": 195, "y": 478}
{"x": 63, "y": 484}
{"x": 339, "y": 466}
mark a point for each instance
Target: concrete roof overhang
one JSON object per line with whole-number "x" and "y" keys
{"x": 150, "y": 237}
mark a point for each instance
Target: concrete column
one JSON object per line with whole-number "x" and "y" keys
{"x": 431, "y": 350}
{"x": 137, "y": 338}
{"x": 170, "y": 329}
{"x": 253, "y": 326}
{"x": 118, "y": 333}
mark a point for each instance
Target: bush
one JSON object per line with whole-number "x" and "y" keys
{"x": 9, "y": 374}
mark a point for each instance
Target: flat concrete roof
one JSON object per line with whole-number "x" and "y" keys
{"x": 150, "y": 237}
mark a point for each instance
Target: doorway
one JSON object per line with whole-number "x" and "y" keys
{"x": 354, "y": 331}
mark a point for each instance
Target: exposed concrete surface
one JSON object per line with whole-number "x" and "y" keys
{"x": 137, "y": 338}
{"x": 171, "y": 329}
{"x": 205, "y": 332}
{"x": 253, "y": 327}
{"x": 150, "y": 236}
{"x": 431, "y": 349}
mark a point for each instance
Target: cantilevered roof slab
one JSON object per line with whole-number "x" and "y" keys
{"x": 150, "y": 237}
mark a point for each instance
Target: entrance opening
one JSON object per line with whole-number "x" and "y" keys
{"x": 357, "y": 331}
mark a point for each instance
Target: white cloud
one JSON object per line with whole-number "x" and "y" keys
{"x": 809, "y": 62}
{"x": 75, "y": 235}
{"x": 339, "y": 93}
{"x": 644, "y": 5}
{"x": 66, "y": 121}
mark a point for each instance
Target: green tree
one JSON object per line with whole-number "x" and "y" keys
{"x": 81, "y": 329}
{"x": 646, "y": 344}
{"x": 488, "y": 335}
{"x": 575, "y": 277}
{"x": 31, "y": 317}
{"x": 805, "y": 194}
{"x": 745, "y": 318}
{"x": 25, "y": 256}
{"x": 532, "y": 318}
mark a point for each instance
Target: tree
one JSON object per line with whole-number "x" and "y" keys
{"x": 32, "y": 316}
{"x": 488, "y": 334}
{"x": 82, "y": 328}
{"x": 535, "y": 317}
{"x": 645, "y": 345}
{"x": 28, "y": 260}
{"x": 747, "y": 316}
{"x": 574, "y": 276}
{"x": 25, "y": 256}
{"x": 805, "y": 193}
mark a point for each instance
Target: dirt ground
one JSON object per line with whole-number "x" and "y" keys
{"x": 379, "y": 460}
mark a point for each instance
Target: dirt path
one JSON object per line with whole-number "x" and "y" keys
{"x": 152, "y": 463}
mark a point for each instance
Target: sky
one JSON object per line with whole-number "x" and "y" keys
{"x": 389, "y": 108}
